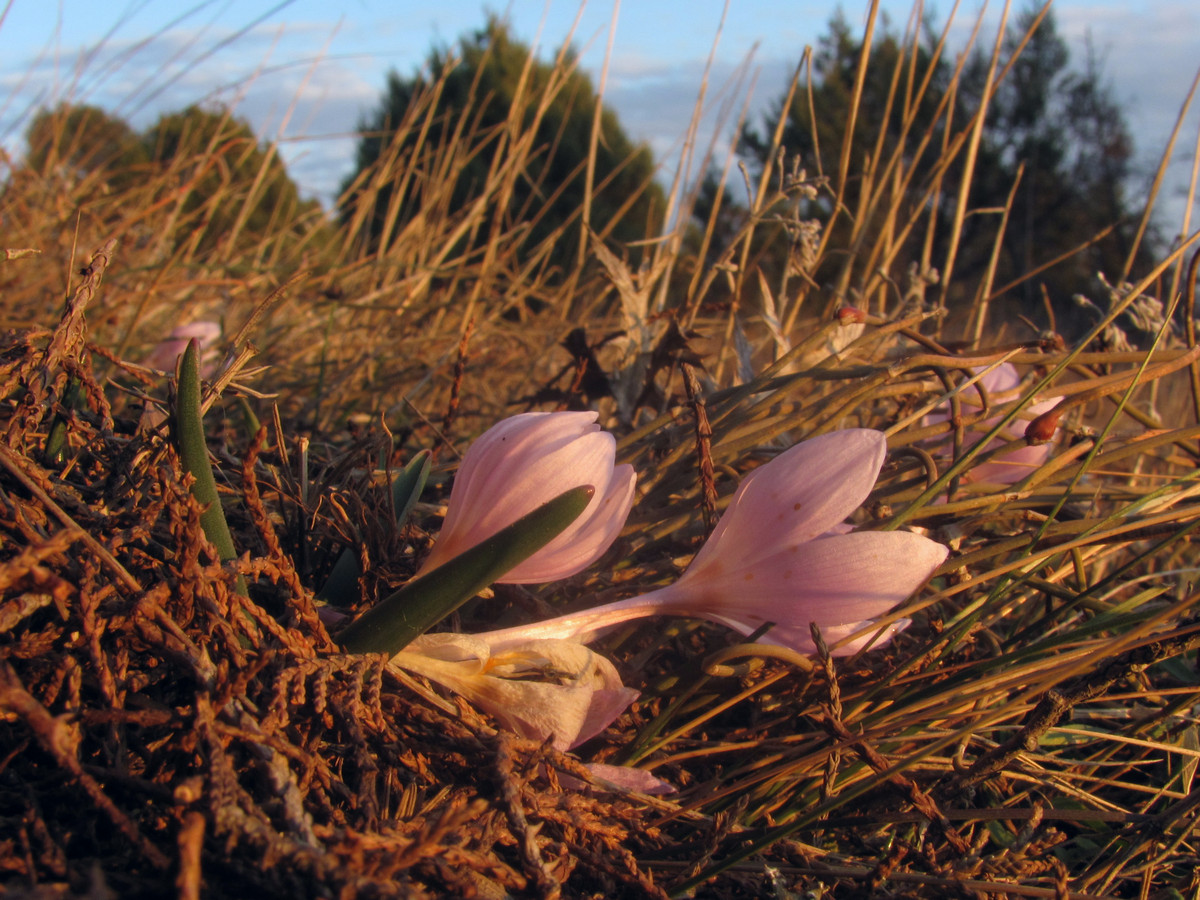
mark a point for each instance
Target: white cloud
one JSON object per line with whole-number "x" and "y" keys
{"x": 266, "y": 74}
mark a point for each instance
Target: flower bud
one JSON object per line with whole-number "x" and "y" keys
{"x": 526, "y": 461}
{"x": 1042, "y": 429}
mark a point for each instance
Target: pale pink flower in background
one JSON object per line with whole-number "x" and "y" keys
{"x": 168, "y": 350}
{"x": 523, "y": 462}
{"x": 1002, "y": 385}
{"x": 780, "y": 554}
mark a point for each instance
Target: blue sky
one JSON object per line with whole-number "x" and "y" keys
{"x": 305, "y": 71}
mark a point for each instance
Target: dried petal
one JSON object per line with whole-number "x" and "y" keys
{"x": 538, "y": 689}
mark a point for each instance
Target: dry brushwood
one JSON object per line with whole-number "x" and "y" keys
{"x": 161, "y": 732}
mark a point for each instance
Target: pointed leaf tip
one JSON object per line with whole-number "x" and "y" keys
{"x": 193, "y": 452}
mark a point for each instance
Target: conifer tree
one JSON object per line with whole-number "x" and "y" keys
{"x": 513, "y": 134}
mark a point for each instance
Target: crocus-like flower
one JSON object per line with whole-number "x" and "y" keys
{"x": 1002, "y": 385}
{"x": 169, "y": 349}
{"x": 540, "y": 689}
{"x": 781, "y": 555}
{"x": 523, "y": 462}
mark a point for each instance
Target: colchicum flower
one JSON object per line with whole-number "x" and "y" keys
{"x": 1002, "y": 385}
{"x": 781, "y": 555}
{"x": 520, "y": 464}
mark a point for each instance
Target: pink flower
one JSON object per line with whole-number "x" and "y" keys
{"x": 167, "y": 351}
{"x": 780, "y": 555}
{"x": 1002, "y": 385}
{"x": 526, "y": 461}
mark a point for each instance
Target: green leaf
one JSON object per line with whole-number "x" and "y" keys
{"x": 407, "y": 487}
{"x": 193, "y": 451}
{"x": 392, "y": 624}
{"x": 56, "y": 443}
{"x": 249, "y": 419}
{"x": 342, "y": 584}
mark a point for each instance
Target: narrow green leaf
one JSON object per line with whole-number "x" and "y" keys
{"x": 342, "y": 584}
{"x": 249, "y": 419}
{"x": 189, "y": 437}
{"x": 56, "y": 443}
{"x": 407, "y": 486}
{"x": 390, "y": 625}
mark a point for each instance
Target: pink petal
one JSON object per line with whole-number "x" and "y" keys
{"x": 586, "y": 539}
{"x": 624, "y": 779}
{"x": 838, "y": 580}
{"x": 168, "y": 350}
{"x": 582, "y": 626}
{"x": 1002, "y": 384}
{"x": 523, "y": 462}
{"x": 1009, "y": 468}
{"x": 1000, "y": 380}
{"x": 505, "y": 473}
{"x": 500, "y": 454}
{"x": 801, "y": 494}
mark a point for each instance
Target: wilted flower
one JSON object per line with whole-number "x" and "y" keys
{"x": 780, "y": 555}
{"x": 526, "y": 461}
{"x": 554, "y": 690}
{"x": 1002, "y": 385}
{"x": 540, "y": 689}
{"x": 168, "y": 350}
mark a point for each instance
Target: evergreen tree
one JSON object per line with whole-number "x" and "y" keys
{"x": 236, "y": 189}
{"x": 84, "y": 140}
{"x": 1058, "y": 126}
{"x": 1069, "y": 134}
{"x": 473, "y": 117}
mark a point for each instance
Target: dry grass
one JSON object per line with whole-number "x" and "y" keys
{"x": 1032, "y": 733}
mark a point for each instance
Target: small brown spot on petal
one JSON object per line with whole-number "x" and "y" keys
{"x": 749, "y": 576}
{"x": 796, "y": 506}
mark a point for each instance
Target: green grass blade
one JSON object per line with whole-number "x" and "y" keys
{"x": 189, "y": 438}
{"x": 407, "y": 487}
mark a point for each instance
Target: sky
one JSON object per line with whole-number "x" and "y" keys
{"x": 305, "y": 72}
